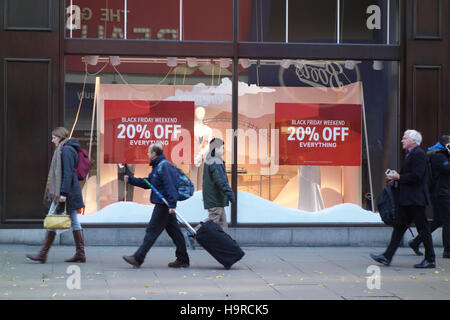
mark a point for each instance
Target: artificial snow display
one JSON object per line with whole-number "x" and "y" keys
{"x": 251, "y": 209}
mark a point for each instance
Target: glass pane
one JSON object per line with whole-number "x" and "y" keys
{"x": 106, "y": 19}
{"x": 312, "y": 21}
{"x": 368, "y": 21}
{"x": 262, "y": 20}
{"x": 208, "y": 20}
{"x": 302, "y": 154}
{"x": 142, "y": 100}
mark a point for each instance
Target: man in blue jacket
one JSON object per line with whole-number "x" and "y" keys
{"x": 164, "y": 178}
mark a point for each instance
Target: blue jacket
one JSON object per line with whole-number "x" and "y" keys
{"x": 70, "y": 186}
{"x": 165, "y": 182}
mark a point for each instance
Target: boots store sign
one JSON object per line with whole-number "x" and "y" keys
{"x": 323, "y": 75}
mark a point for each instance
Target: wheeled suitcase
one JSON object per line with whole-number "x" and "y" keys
{"x": 211, "y": 237}
{"x": 218, "y": 243}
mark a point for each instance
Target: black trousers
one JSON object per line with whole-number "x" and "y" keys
{"x": 406, "y": 215}
{"x": 162, "y": 219}
{"x": 441, "y": 218}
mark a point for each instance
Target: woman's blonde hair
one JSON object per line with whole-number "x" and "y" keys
{"x": 60, "y": 132}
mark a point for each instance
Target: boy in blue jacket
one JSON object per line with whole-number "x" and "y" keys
{"x": 164, "y": 178}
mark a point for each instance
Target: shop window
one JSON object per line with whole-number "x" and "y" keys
{"x": 369, "y": 21}
{"x": 200, "y": 20}
{"x": 141, "y": 100}
{"x": 302, "y": 149}
{"x": 322, "y": 21}
{"x": 119, "y": 19}
{"x": 303, "y": 154}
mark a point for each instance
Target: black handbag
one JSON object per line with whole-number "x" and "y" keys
{"x": 387, "y": 205}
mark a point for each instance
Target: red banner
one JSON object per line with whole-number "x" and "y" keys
{"x": 319, "y": 134}
{"x": 131, "y": 126}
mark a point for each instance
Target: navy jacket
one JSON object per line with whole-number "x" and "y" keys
{"x": 70, "y": 186}
{"x": 413, "y": 189}
{"x": 165, "y": 182}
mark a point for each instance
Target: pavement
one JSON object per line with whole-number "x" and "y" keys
{"x": 264, "y": 273}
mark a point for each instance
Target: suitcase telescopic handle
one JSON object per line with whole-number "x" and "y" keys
{"x": 160, "y": 196}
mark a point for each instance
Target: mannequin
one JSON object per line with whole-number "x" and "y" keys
{"x": 202, "y": 137}
{"x": 309, "y": 196}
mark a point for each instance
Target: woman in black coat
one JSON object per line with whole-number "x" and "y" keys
{"x": 63, "y": 192}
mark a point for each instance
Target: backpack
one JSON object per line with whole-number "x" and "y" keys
{"x": 184, "y": 186}
{"x": 83, "y": 165}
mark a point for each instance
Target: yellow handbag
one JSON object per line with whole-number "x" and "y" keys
{"x": 57, "y": 221}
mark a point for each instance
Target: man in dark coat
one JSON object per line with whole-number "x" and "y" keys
{"x": 440, "y": 194}
{"x": 413, "y": 198}
{"x": 164, "y": 178}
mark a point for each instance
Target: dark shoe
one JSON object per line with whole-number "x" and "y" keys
{"x": 425, "y": 264}
{"x": 42, "y": 255}
{"x": 446, "y": 255}
{"x": 381, "y": 259}
{"x": 131, "y": 260}
{"x": 178, "y": 264}
{"x": 415, "y": 247}
{"x": 79, "y": 243}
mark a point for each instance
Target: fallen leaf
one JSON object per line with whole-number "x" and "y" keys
{"x": 414, "y": 278}
{"x": 219, "y": 277}
{"x": 182, "y": 292}
{"x": 132, "y": 298}
{"x": 6, "y": 294}
{"x": 436, "y": 272}
{"x": 146, "y": 286}
{"x": 54, "y": 295}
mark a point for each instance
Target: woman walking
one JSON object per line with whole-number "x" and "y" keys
{"x": 63, "y": 191}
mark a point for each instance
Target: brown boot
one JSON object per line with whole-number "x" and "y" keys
{"x": 42, "y": 255}
{"x": 79, "y": 243}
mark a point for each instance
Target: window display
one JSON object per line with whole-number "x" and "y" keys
{"x": 302, "y": 135}
{"x": 318, "y": 156}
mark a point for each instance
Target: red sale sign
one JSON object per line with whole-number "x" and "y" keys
{"x": 319, "y": 134}
{"x": 131, "y": 126}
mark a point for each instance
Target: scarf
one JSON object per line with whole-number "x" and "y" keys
{"x": 54, "y": 178}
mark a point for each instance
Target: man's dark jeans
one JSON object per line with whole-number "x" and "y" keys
{"x": 406, "y": 215}
{"x": 162, "y": 219}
